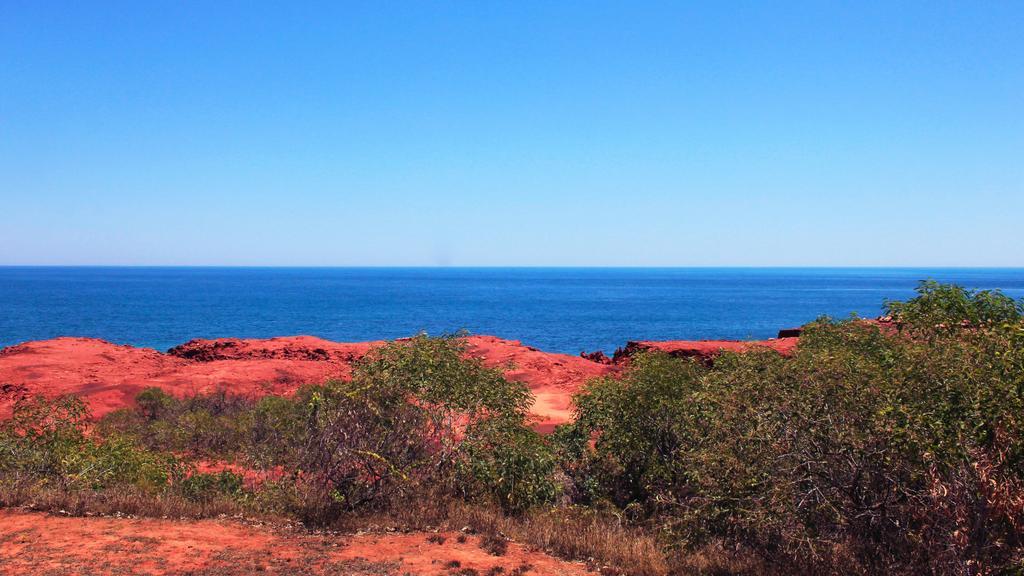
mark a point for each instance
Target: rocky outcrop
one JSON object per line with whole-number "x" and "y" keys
{"x": 598, "y": 356}
{"x": 703, "y": 350}
{"x": 790, "y": 332}
{"x": 109, "y": 376}
{"x": 303, "y": 348}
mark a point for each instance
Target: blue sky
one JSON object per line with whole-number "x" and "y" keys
{"x": 512, "y": 133}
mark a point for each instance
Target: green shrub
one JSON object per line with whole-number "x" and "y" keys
{"x": 866, "y": 452}
{"x": 508, "y": 463}
{"x": 44, "y": 444}
{"x": 947, "y": 308}
{"x": 154, "y": 403}
{"x": 212, "y": 426}
{"x": 277, "y": 427}
{"x": 417, "y": 413}
{"x": 452, "y": 392}
{"x": 201, "y": 487}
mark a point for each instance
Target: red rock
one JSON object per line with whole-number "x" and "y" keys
{"x": 108, "y": 376}
{"x": 790, "y": 332}
{"x": 597, "y": 356}
{"x": 308, "y": 348}
{"x": 704, "y": 350}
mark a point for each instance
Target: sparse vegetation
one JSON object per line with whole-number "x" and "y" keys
{"x": 874, "y": 449}
{"x": 867, "y": 452}
{"x": 495, "y": 544}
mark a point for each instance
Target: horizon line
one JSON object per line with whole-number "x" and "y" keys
{"x": 533, "y": 267}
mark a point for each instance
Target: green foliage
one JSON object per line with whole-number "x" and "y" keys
{"x": 948, "y": 307}
{"x": 44, "y": 444}
{"x": 452, "y": 391}
{"x": 358, "y": 447}
{"x": 212, "y": 426}
{"x": 154, "y": 403}
{"x": 634, "y": 425}
{"x": 509, "y": 463}
{"x": 201, "y": 487}
{"x": 416, "y": 412}
{"x": 277, "y": 426}
{"x": 867, "y": 451}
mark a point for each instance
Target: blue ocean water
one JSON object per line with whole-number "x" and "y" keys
{"x": 556, "y": 309}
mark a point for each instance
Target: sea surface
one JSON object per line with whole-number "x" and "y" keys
{"x": 554, "y": 309}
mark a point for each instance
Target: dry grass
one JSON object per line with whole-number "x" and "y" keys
{"x": 575, "y": 534}
{"x": 244, "y": 564}
{"x": 570, "y": 533}
{"x": 125, "y": 501}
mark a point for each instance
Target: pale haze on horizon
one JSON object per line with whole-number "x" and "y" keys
{"x": 526, "y": 133}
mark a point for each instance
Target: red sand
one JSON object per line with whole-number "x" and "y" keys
{"x": 553, "y": 378}
{"x": 35, "y": 543}
{"x": 108, "y": 376}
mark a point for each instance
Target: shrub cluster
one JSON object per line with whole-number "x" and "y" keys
{"x": 44, "y": 444}
{"x": 869, "y": 451}
{"x": 416, "y": 414}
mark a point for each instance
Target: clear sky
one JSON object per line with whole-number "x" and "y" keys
{"x": 512, "y": 133}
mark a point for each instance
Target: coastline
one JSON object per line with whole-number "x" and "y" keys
{"x": 108, "y": 376}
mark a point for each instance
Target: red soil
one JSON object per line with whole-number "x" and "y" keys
{"x": 108, "y": 376}
{"x": 553, "y": 378}
{"x": 34, "y": 543}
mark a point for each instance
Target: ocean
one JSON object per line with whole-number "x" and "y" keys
{"x": 554, "y": 309}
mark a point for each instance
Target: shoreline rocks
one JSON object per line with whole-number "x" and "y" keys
{"x": 108, "y": 376}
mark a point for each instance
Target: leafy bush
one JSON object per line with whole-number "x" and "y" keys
{"x": 419, "y": 412}
{"x": 509, "y": 463}
{"x": 866, "y": 452}
{"x": 947, "y": 307}
{"x": 44, "y": 444}
{"x": 416, "y": 412}
{"x": 204, "y": 487}
{"x": 211, "y": 426}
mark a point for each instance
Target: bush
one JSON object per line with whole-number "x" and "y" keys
{"x": 866, "y": 452}
{"x": 418, "y": 413}
{"x": 946, "y": 308}
{"x": 205, "y": 487}
{"x": 44, "y": 444}
{"x": 211, "y": 426}
{"x": 508, "y": 463}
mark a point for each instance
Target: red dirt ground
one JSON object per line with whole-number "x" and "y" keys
{"x": 553, "y": 378}
{"x": 109, "y": 376}
{"x": 35, "y": 543}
